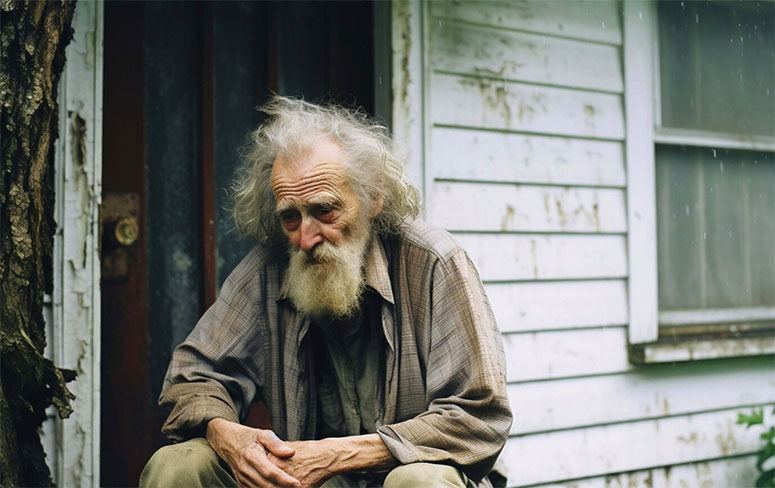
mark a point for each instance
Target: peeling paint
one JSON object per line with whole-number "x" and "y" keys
{"x": 727, "y": 440}
{"x": 563, "y": 218}
{"x": 688, "y": 439}
{"x": 495, "y": 96}
{"x": 508, "y": 217}
{"x": 76, "y": 302}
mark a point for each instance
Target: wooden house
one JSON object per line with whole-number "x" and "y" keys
{"x": 609, "y": 166}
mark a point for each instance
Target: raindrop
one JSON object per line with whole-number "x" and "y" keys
{"x": 687, "y": 210}
{"x": 696, "y": 18}
{"x": 714, "y": 153}
{"x": 603, "y": 24}
{"x": 704, "y": 236}
{"x": 640, "y": 15}
{"x": 543, "y": 39}
{"x": 730, "y": 233}
{"x": 721, "y": 166}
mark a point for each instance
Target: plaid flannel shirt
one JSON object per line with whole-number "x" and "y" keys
{"x": 443, "y": 398}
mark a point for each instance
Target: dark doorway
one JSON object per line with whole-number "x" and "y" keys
{"x": 181, "y": 85}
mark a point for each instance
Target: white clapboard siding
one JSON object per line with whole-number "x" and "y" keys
{"x": 616, "y": 448}
{"x": 504, "y": 257}
{"x": 660, "y": 391}
{"x": 482, "y": 51}
{"x": 478, "y": 102}
{"x": 534, "y": 306}
{"x": 498, "y": 207}
{"x": 462, "y": 154}
{"x": 536, "y": 356}
{"x": 729, "y": 473}
{"x": 588, "y": 20}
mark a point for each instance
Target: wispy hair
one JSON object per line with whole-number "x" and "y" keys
{"x": 374, "y": 167}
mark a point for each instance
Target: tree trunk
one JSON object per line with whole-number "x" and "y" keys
{"x": 33, "y": 36}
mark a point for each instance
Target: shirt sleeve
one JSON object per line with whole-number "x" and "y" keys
{"x": 212, "y": 373}
{"x": 468, "y": 417}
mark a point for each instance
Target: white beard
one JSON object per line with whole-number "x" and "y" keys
{"x": 329, "y": 281}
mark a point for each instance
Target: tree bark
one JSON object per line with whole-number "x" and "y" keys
{"x": 33, "y": 37}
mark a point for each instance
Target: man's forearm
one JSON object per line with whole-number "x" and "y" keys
{"x": 361, "y": 452}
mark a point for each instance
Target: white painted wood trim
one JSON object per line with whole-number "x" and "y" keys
{"x": 694, "y": 349}
{"x": 579, "y": 20}
{"x": 665, "y": 391}
{"x": 716, "y": 316}
{"x": 383, "y": 62}
{"x": 424, "y": 39}
{"x": 687, "y": 137}
{"x": 76, "y": 300}
{"x": 605, "y": 449}
{"x": 639, "y": 28}
{"x": 737, "y": 471}
{"x": 408, "y": 87}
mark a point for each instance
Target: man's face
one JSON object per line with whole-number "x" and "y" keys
{"x": 327, "y": 229}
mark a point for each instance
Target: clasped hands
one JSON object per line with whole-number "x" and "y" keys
{"x": 258, "y": 458}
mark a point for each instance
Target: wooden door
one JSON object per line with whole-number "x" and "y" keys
{"x": 182, "y": 83}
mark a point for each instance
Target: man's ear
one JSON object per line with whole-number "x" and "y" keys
{"x": 376, "y": 207}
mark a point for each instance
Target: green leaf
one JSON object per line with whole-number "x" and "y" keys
{"x": 762, "y": 456}
{"x": 766, "y": 479}
{"x": 755, "y": 418}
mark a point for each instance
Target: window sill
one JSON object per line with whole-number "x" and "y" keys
{"x": 675, "y": 345}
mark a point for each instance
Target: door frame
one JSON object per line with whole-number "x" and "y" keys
{"x": 73, "y": 310}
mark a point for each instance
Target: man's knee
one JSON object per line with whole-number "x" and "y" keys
{"x": 191, "y": 463}
{"x": 424, "y": 474}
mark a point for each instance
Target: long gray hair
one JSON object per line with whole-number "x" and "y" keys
{"x": 375, "y": 170}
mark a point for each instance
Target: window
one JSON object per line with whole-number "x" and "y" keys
{"x": 700, "y": 101}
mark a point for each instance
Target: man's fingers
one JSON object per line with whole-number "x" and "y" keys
{"x": 264, "y": 470}
{"x": 274, "y": 444}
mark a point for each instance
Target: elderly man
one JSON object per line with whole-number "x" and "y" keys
{"x": 366, "y": 333}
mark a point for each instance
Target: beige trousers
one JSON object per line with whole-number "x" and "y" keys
{"x": 194, "y": 464}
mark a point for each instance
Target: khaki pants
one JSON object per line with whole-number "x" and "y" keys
{"x": 193, "y": 464}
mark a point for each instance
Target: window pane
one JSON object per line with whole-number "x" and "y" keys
{"x": 715, "y": 228}
{"x": 718, "y": 66}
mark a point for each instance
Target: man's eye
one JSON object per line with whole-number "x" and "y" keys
{"x": 289, "y": 216}
{"x": 325, "y": 209}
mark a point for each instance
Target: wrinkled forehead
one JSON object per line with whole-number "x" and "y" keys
{"x": 320, "y": 167}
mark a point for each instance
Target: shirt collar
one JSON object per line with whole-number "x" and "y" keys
{"x": 377, "y": 277}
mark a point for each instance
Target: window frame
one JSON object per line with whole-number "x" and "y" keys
{"x": 656, "y": 337}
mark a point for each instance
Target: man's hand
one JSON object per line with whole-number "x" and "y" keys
{"x": 313, "y": 463}
{"x": 317, "y": 461}
{"x": 247, "y": 450}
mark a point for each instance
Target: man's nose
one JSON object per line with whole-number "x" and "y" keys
{"x": 309, "y": 234}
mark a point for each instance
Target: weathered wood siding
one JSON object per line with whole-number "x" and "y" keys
{"x": 72, "y": 312}
{"x": 523, "y": 134}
